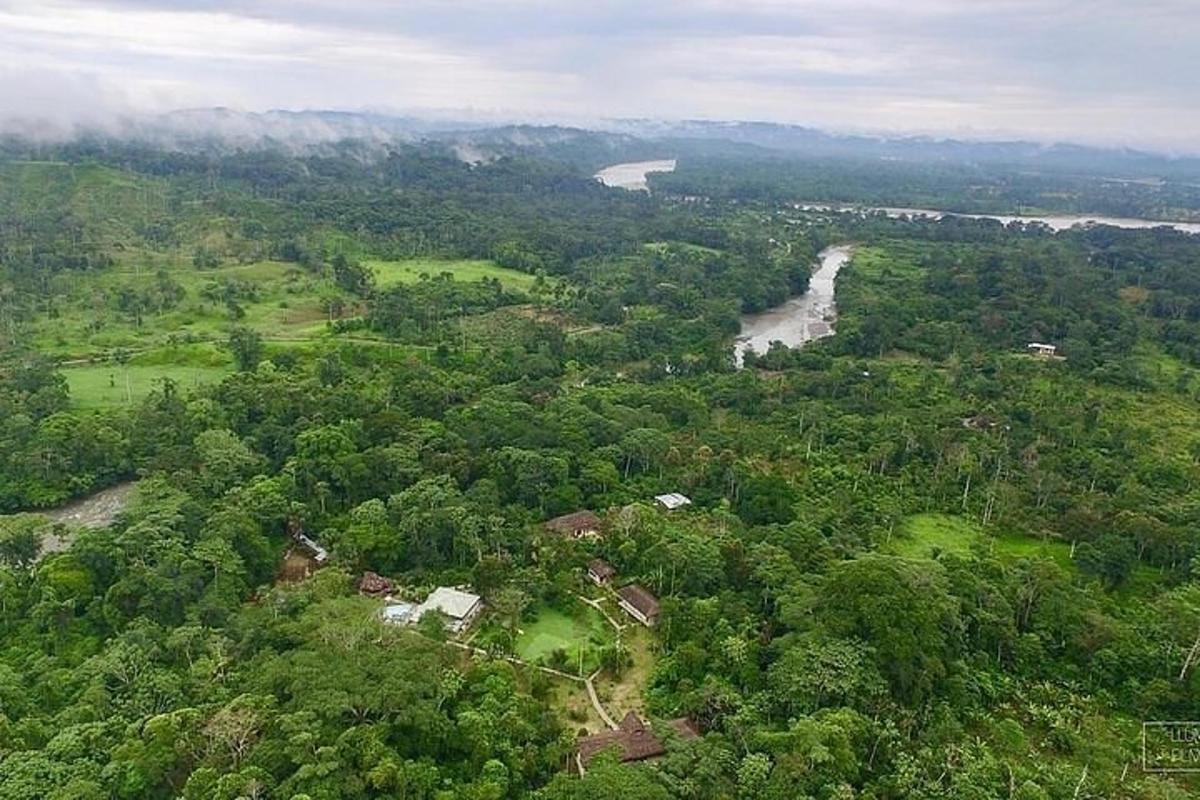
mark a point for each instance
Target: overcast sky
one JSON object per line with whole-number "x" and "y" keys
{"x": 1109, "y": 71}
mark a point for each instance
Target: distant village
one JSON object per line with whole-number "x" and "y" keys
{"x": 460, "y": 609}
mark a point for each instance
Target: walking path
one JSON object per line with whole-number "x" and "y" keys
{"x": 591, "y": 690}
{"x": 588, "y": 682}
{"x": 618, "y": 627}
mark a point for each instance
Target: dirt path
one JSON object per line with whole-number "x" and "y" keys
{"x": 591, "y": 690}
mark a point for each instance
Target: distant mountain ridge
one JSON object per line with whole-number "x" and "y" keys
{"x": 476, "y": 140}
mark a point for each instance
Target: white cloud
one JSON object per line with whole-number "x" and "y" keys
{"x": 1109, "y": 70}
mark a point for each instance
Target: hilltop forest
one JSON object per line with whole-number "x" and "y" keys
{"x": 919, "y": 562}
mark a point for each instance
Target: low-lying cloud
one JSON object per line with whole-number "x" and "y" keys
{"x": 1108, "y": 71}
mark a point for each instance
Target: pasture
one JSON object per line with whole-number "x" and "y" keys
{"x": 390, "y": 273}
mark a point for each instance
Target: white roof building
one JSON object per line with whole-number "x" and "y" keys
{"x": 672, "y": 500}
{"x": 460, "y": 608}
{"x": 398, "y": 612}
{"x": 319, "y": 554}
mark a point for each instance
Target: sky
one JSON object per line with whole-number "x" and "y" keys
{"x": 1094, "y": 71}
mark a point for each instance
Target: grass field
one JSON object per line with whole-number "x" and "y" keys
{"x": 921, "y": 535}
{"x": 549, "y": 630}
{"x": 106, "y": 385}
{"x": 390, "y": 273}
{"x": 287, "y": 302}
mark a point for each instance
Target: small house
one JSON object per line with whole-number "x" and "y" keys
{"x": 398, "y": 612}
{"x": 632, "y": 739}
{"x": 319, "y": 554}
{"x": 639, "y": 604}
{"x": 374, "y": 585}
{"x": 579, "y": 525}
{"x": 600, "y": 572}
{"x": 460, "y": 607}
{"x": 672, "y": 500}
{"x": 1041, "y": 350}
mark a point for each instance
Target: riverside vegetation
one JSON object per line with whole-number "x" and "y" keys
{"x": 920, "y": 563}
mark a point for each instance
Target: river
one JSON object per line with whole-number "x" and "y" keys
{"x": 97, "y": 510}
{"x": 1058, "y": 222}
{"x": 632, "y": 176}
{"x": 801, "y": 319}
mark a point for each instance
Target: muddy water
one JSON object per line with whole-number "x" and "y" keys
{"x": 799, "y": 320}
{"x": 632, "y": 176}
{"x": 98, "y": 510}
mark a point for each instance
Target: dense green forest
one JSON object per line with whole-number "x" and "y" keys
{"x": 919, "y": 562}
{"x": 949, "y": 185}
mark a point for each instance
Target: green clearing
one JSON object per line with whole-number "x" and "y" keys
{"x": 686, "y": 247}
{"x": 390, "y": 273}
{"x": 276, "y": 299}
{"x": 107, "y": 385}
{"x": 921, "y": 535}
{"x": 549, "y": 630}
{"x": 280, "y": 300}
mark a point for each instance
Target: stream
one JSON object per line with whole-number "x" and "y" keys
{"x": 801, "y": 319}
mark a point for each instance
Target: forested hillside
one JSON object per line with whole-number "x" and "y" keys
{"x": 918, "y": 561}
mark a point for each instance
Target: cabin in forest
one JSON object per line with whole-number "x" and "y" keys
{"x": 672, "y": 500}
{"x": 639, "y": 604}
{"x": 579, "y": 525}
{"x": 319, "y": 554}
{"x": 398, "y": 612}
{"x": 460, "y": 607}
{"x": 632, "y": 739}
{"x": 374, "y": 585}
{"x": 600, "y": 572}
{"x": 1041, "y": 350}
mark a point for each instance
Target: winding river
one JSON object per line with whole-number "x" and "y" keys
{"x": 632, "y": 176}
{"x": 801, "y": 319}
{"x": 812, "y": 315}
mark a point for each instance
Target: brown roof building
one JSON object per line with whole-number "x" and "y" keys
{"x": 600, "y": 572}
{"x": 632, "y": 739}
{"x": 372, "y": 584}
{"x": 639, "y": 603}
{"x": 580, "y": 525}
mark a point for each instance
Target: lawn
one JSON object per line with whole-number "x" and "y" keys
{"x": 107, "y": 385}
{"x": 548, "y": 629}
{"x": 390, "y": 273}
{"x": 923, "y": 534}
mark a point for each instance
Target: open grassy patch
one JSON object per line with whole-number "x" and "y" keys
{"x": 108, "y": 385}
{"x": 684, "y": 247}
{"x": 1013, "y": 545}
{"x": 923, "y": 535}
{"x": 556, "y": 638}
{"x": 390, "y": 273}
